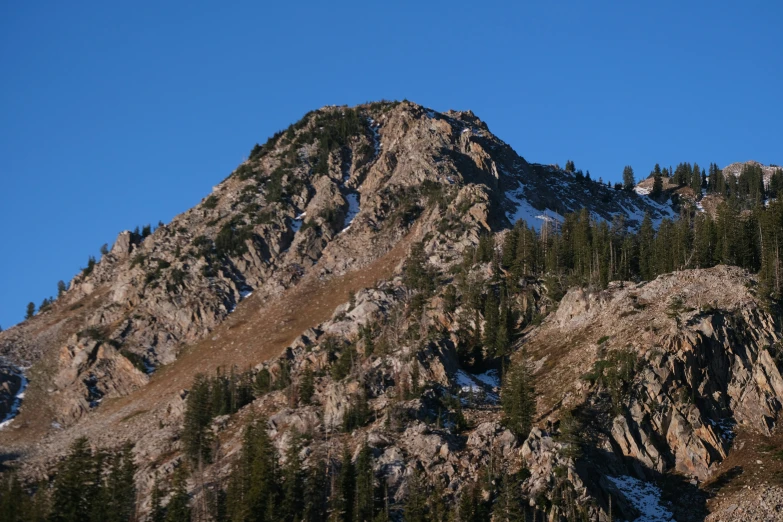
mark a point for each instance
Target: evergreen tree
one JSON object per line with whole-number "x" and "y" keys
{"x": 196, "y": 438}
{"x": 61, "y": 288}
{"x": 293, "y": 481}
{"x": 491, "y": 314}
{"x": 307, "y": 387}
{"x": 775, "y": 184}
{"x": 316, "y": 493}
{"x": 118, "y": 495}
{"x": 509, "y": 248}
{"x": 178, "y": 508}
{"x": 471, "y": 507}
{"x": 253, "y": 488}
{"x": 646, "y": 238}
{"x": 508, "y": 506}
{"x": 518, "y": 399}
{"x": 77, "y": 485}
{"x": 657, "y": 188}
{"x": 503, "y": 337}
{"x": 628, "y": 178}
{"x": 12, "y": 498}
{"x": 415, "y": 507}
{"x": 157, "y": 513}
{"x": 365, "y": 486}
{"x": 30, "y": 310}
{"x": 343, "y": 493}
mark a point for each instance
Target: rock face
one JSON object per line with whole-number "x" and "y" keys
{"x": 299, "y": 206}
{"x": 707, "y": 363}
{"x": 298, "y": 265}
{"x": 735, "y": 169}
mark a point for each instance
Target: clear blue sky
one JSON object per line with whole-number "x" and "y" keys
{"x": 113, "y": 116}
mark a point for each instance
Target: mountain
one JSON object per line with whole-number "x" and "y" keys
{"x": 359, "y": 283}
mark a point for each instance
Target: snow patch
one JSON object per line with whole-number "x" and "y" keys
{"x": 376, "y": 138}
{"x": 645, "y": 497}
{"x": 430, "y": 113}
{"x": 466, "y": 383}
{"x": 14, "y": 411}
{"x": 296, "y": 223}
{"x": 642, "y": 191}
{"x": 353, "y": 209}
{"x": 149, "y": 369}
{"x": 475, "y": 385}
{"x": 490, "y": 378}
{"x": 526, "y": 212}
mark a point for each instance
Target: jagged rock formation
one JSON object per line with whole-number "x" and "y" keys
{"x": 301, "y": 251}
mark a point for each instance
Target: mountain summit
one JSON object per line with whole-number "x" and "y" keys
{"x": 395, "y": 291}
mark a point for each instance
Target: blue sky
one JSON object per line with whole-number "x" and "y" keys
{"x": 114, "y": 115}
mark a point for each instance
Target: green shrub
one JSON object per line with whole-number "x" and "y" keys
{"x": 135, "y": 359}
{"x": 615, "y": 374}
{"x": 244, "y": 171}
{"x": 211, "y": 202}
{"x": 230, "y": 241}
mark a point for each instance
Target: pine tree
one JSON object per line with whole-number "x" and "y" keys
{"x": 415, "y": 507}
{"x": 254, "y": 482}
{"x": 509, "y": 248}
{"x": 76, "y": 486}
{"x": 471, "y": 507}
{"x": 12, "y": 498}
{"x": 503, "y": 336}
{"x": 316, "y": 493}
{"x": 518, "y": 399}
{"x": 178, "y": 508}
{"x": 293, "y": 481}
{"x": 157, "y": 513}
{"x": 628, "y": 178}
{"x": 365, "y": 486}
{"x": 120, "y": 488}
{"x": 343, "y": 494}
{"x": 775, "y": 184}
{"x": 307, "y": 387}
{"x": 491, "y": 314}
{"x": 508, "y": 506}
{"x": 30, "y": 310}
{"x": 61, "y": 288}
{"x": 196, "y": 438}
{"x": 646, "y": 239}
{"x": 657, "y": 188}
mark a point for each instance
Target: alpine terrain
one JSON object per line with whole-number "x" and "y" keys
{"x": 386, "y": 313}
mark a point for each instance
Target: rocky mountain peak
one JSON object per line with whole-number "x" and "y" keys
{"x": 359, "y": 282}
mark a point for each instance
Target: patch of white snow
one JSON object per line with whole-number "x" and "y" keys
{"x": 490, "y": 378}
{"x": 14, "y": 411}
{"x": 526, "y": 212}
{"x": 645, "y": 497}
{"x": 353, "y": 209}
{"x": 466, "y": 382}
{"x": 296, "y": 223}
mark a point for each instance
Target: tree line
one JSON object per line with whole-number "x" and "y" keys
{"x": 584, "y": 251}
